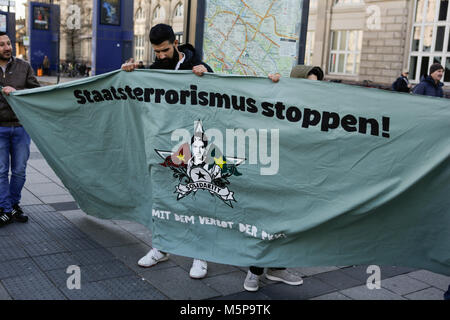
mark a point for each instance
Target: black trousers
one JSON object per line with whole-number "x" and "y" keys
{"x": 259, "y": 271}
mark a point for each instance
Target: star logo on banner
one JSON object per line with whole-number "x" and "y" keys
{"x": 201, "y": 165}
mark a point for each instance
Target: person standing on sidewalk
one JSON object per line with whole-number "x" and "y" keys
{"x": 172, "y": 56}
{"x": 251, "y": 282}
{"x": 46, "y": 66}
{"x": 402, "y": 83}
{"x": 15, "y": 74}
{"x": 432, "y": 85}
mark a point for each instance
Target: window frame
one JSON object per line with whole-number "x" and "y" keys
{"x": 431, "y": 54}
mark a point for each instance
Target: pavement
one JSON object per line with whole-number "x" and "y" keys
{"x": 37, "y": 260}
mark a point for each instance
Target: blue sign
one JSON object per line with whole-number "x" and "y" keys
{"x": 112, "y": 34}
{"x": 43, "y": 28}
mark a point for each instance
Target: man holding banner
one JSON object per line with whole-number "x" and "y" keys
{"x": 14, "y": 140}
{"x": 171, "y": 56}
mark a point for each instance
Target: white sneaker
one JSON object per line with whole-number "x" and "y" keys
{"x": 199, "y": 269}
{"x": 153, "y": 257}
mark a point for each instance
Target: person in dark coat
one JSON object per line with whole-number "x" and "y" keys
{"x": 432, "y": 85}
{"x": 402, "y": 83}
{"x": 171, "y": 56}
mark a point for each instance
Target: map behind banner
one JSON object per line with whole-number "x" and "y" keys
{"x": 253, "y": 37}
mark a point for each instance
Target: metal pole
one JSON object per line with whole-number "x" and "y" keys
{"x": 303, "y": 32}
{"x": 188, "y": 22}
{"x": 57, "y": 66}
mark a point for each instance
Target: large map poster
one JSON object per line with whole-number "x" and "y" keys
{"x": 252, "y": 37}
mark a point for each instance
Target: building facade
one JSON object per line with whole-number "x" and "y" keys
{"x": 149, "y": 13}
{"x": 76, "y": 26}
{"x": 374, "y": 40}
{"x": 353, "y": 41}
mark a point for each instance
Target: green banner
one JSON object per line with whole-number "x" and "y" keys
{"x": 242, "y": 171}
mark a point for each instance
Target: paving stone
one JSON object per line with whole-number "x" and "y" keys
{"x": 183, "y": 262}
{"x": 113, "y": 237}
{"x": 33, "y": 237}
{"x": 309, "y": 271}
{"x": 132, "y": 227}
{"x": 12, "y": 253}
{"x": 88, "y": 291}
{"x": 176, "y": 284}
{"x": 144, "y": 295}
{"x": 112, "y": 269}
{"x": 139, "y": 231}
{"x": 338, "y": 279}
{"x": 49, "y": 220}
{"x": 79, "y": 244}
{"x": 132, "y": 287}
{"x": 64, "y": 206}
{"x": 34, "y": 286}
{"x": 226, "y": 284}
{"x": 73, "y": 214}
{"x": 392, "y": 271}
{"x": 67, "y": 233}
{"x": 35, "y": 155}
{"x": 25, "y": 228}
{"x": 357, "y": 272}
{"x": 44, "y": 248}
{"x": 7, "y": 241}
{"x": 332, "y": 296}
{"x": 57, "y": 223}
{"x": 37, "y": 208}
{"x": 28, "y": 198}
{"x": 56, "y": 261}
{"x": 310, "y": 288}
{"x": 57, "y": 198}
{"x": 436, "y": 280}
{"x": 364, "y": 293}
{"x": 95, "y": 256}
{"x": 34, "y": 178}
{"x": 245, "y": 295}
{"x": 427, "y": 294}
{"x": 16, "y": 268}
{"x": 5, "y": 231}
{"x": 403, "y": 285}
{"x": 46, "y": 189}
{"x": 4, "y": 295}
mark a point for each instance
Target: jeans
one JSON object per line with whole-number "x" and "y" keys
{"x": 14, "y": 150}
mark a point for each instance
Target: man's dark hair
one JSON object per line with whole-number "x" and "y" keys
{"x": 436, "y": 66}
{"x": 3, "y": 33}
{"x": 160, "y": 33}
{"x": 317, "y": 71}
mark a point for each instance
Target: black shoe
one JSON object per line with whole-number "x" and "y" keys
{"x": 18, "y": 215}
{"x": 5, "y": 218}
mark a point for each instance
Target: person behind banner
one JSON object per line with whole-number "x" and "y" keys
{"x": 171, "y": 56}
{"x": 46, "y": 66}
{"x": 16, "y": 74}
{"x": 141, "y": 65}
{"x": 251, "y": 282}
{"x": 432, "y": 85}
{"x": 402, "y": 83}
